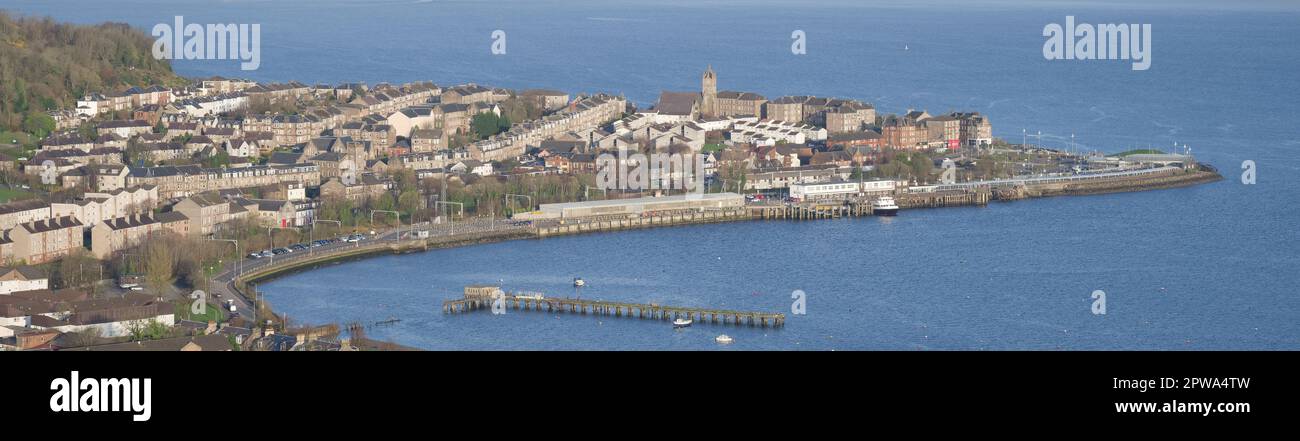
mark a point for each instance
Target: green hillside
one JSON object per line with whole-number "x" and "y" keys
{"x": 45, "y": 65}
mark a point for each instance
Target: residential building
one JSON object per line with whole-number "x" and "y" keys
{"x": 181, "y": 181}
{"x": 117, "y": 234}
{"x": 22, "y": 278}
{"x": 46, "y": 240}
{"x": 207, "y": 210}
{"x": 15, "y": 213}
{"x": 547, "y": 100}
{"x": 125, "y": 129}
{"x": 367, "y": 186}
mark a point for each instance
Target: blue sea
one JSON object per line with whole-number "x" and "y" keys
{"x": 1206, "y": 267}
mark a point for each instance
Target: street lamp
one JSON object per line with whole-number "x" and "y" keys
{"x": 460, "y": 207}
{"x": 313, "y": 231}
{"x": 372, "y": 216}
{"x": 239, "y": 258}
{"x": 271, "y": 236}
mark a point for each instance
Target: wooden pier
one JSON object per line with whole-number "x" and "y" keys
{"x": 483, "y": 297}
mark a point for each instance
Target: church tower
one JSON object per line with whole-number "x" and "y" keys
{"x": 709, "y": 93}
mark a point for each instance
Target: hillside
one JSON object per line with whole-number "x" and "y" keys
{"x": 46, "y": 65}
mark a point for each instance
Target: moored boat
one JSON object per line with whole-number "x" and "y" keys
{"x": 884, "y": 206}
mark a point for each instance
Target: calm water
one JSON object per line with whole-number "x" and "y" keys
{"x": 1210, "y": 267}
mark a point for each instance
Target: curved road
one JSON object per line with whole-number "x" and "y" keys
{"x": 224, "y": 282}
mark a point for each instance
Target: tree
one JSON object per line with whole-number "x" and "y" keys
{"x": 78, "y": 270}
{"x": 38, "y": 124}
{"x": 159, "y": 265}
{"x": 46, "y": 65}
{"x": 84, "y": 337}
{"x": 408, "y": 202}
{"x": 141, "y": 330}
{"x": 487, "y": 124}
{"x": 220, "y": 159}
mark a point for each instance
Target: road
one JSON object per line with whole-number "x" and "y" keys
{"x": 223, "y": 288}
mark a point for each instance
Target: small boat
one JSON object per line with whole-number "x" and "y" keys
{"x": 724, "y": 339}
{"x": 884, "y": 206}
{"x": 578, "y": 282}
{"x": 682, "y": 323}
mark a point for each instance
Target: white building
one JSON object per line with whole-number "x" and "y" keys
{"x": 771, "y": 132}
{"x": 22, "y": 278}
{"x": 839, "y": 189}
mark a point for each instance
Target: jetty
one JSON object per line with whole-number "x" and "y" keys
{"x": 479, "y": 297}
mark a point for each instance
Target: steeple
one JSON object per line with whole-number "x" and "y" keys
{"x": 709, "y": 93}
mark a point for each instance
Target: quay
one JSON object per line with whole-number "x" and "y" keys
{"x": 482, "y": 297}
{"x": 614, "y": 215}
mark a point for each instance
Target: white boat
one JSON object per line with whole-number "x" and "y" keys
{"x": 884, "y": 206}
{"x": 579, "y": 282}
{"x": 724, "y": 339}
{"x": 682, "y": 323}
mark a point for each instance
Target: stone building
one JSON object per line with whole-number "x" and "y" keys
{"x": 709, "y": 93}
{"x": 120, "y": 233}
{"x": 184, "y": 180}
{"x": 740, "y": 104}
{"x": 207, "y": 210}
{"x": 15, "y": 213}
{"x": 786, "y": 108}
{"x": 46, "y": 240}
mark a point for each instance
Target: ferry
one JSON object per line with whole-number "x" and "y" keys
{"x": 884, "y": 206}
{"x": 682, "y": 323}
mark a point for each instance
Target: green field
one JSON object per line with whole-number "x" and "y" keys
{"x": 213, "y": 312}
{"x": 14, "y": 194}
{"x": 19, "y": 138}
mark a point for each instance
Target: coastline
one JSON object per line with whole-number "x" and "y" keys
{"x": 749, "y": 213}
